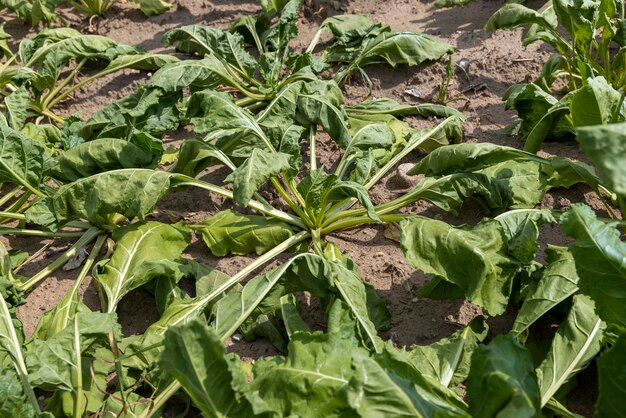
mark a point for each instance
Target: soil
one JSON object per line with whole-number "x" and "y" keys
{"x": 496, "y": 62}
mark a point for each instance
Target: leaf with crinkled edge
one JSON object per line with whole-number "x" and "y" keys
{"x": 600, "y": 257}
{"x": 130, "y": 192}
{"x": 208, "y": 72}
{"x": 236, "y": 233}
{"x": 207, "y": 40}
{"x": 142, "y": 252}
{"x": 256, "y": 170}
{"x": 502, "y": 381}
{"x": 100, "y": 155}
{"x": 474, "y": 258}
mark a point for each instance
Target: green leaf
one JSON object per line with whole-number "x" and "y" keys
{"x": 448, "y": 360}
{"x": 612, "y": 380}
{"x": 17, "y": 107}
{"x": 143, "y": 251}
{"x": 320, "y": 103}
{"x": 208, "y": 72}
{"x": 502, "y": 381}
{"x": 212, "y": 111}
{"x": 522, "y": 230}
{"x": 195, "y": 356}
{"x": 558, "y": 282}
{"x": 13, "y": 401}
{"x": 606, "y": 145}
{"x": 54, "y": 361}
{"x": 195, "y": 155}
{"x": 596, "y": 103}
{"x": 341, "y": 190}
{"x": 599, "y": 256}
{"x": 236, "y": 233}
{"x": 511, "y": 16}
{"x": 474, "y": 258}
{"x": 22, "y": 160}
{"x": 387, "y": 386}
{"x": 130, "y": 192}
{"x": 576, "y": 343}
{"x": 101, "y": 155}
{"x": 255, "y": 171}
{"x": 261, "y": 295}
{"x": 313, "y": 373}
{"x": 153, "y": 7}
{"x": 272, "y": 7}
{"x": 228, "y": 47}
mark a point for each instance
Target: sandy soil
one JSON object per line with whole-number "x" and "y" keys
{"x": 496, "y": 62}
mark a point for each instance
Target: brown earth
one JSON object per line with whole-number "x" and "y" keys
{"x": 496, "y": 62}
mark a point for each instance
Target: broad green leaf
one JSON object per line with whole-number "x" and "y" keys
{"x": 101, "y": 155}
{"x": 130, "y": 192}
{"x": 596, "y": 103}
{"x": 143, "y": 251}
{"x": 212, "y": 111}
{"x": 16, "y": 105}
{"x": 449, "y": 192}
{"x": 502, "y": 381}
{"x": 208, "y": 72}
{"x": 150, "y": 111}
{"x": 606, "y": 145}
{"x": 228, "y": 47}
{"x": 286, "y": 29}
{"x": 386, "y": 106}
{"x": 599, "y": 256}
{"x": 612, "y": 380}
{"x": 317, "y": 367}
{"x": 348, "y": 28}
{"x": 54, "y": 361}
{"x": 261, "y": 295}
{"x": 271, "y": 7}
{"x": 280, "y": 114}
{"x": 256, "y": 170}
{"x": 236, "y": 233}
{"x": 340, "y": 190}
{"x": 195, "y": 356}
{"x": 513, "y": 15}
{"x": 290, "y": 314}
{"x": 403, "y": 48}
{"x": 319, "y": 188}
{"x": 558, "y": 282}
{"x": 195, "y": 155}
{"x": 22, "y": 160}
{"x": 521, "y": 227}
{"x": 384, "y": 46}
{"x": 387, "y": 386}
{"x": 13, "y": 401}
{"x": 320, "y": 103}
{"x": 475, "y": 258}
{"x": 447, "y": 360}
{"x": 153, "y": 7}
{"x": 577, "y": 341}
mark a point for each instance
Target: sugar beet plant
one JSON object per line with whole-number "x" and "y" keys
{"x": 263, "y": 120}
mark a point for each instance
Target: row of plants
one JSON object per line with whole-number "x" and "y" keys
{"x": 44, "y": 11}
{"x": 262, "y": 116}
